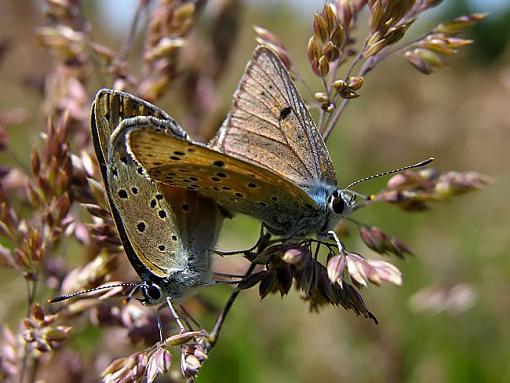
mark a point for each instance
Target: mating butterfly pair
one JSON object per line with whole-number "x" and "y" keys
{"x": 167, "y": 192}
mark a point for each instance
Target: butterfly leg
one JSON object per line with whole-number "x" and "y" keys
{"x": 160, "y": 325}
{"x": 175, "y": 315}
{"x": 270, "y": 230}
{"x": 133, "y": 292}
{"x": 264, "y": 237}
{"x": 337, "y": 240}
{"x": 188, "y": 318}
{"x": 223, "y": 278}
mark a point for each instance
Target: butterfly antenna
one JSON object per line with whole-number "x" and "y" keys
{"x": 413, "y": 166}
{"x": 67, "y": 296}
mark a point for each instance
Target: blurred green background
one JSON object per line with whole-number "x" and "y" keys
{"x": 457, "y": 329}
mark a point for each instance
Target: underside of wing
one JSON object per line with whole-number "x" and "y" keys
{"x": 269, "y": 124}
{"x": 145, "y": 218}
{"x": 157, "y": 239}
{"x": 236, "y": 184}
{"x": 199, "y": 220}
{"x": 109, "y": 109}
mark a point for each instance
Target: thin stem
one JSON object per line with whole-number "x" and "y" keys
{"x": 367, "y": 66}
{"x": 124, "y": 51}
{"x": 334, "y": 117}
{"x": 321, "y": 119}
{"x": 305, "y": 84}
{"x": 16, "y": 159}
{"x": 357, "y": 59}
{"x": 356, "y": 222}
{"x": 90, "y": 48}
{"x": 333, "y": 69}
{"x": 31, "y": 293}
{"x": 322, "y": 112}
{"x": 215, "y": 333}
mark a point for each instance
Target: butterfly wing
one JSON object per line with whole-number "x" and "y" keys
{"x": 236, "y": 184}
{"x": 109, "y": 109}
{"x": 269, "y": 125}
{"x": 199, "y": 220}
{"x": 154, "y": 230}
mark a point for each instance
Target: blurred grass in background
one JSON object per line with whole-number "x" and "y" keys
{"x": 460, "y": 116}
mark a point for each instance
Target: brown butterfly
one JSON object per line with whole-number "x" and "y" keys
{"x": 167, "y": 233}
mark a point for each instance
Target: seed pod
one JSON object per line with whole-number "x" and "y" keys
{"x": 336, "y": 267}
{"x": 331, "y": 52}
{"x": 417, "y": 62}
{"x": 321, "y": 97}
{"x": 320, "y": 28}
{"x": 323, "y": 66}
{"x": 355, "y": 83}
{"x": 339, "y": 85}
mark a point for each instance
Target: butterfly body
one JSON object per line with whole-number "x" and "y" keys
{"x": 167, "y": 233}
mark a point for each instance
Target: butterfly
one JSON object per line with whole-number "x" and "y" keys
{"x": 167, "y": 233}
{"x": 268, "y": 159}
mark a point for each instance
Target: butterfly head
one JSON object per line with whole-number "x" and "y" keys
{"x": 155, "y": 294}
{"x": 341, "y": 203}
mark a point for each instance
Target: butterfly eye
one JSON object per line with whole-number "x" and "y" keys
{"x": 153, "y": 292}
{"x": 337, "y": 204}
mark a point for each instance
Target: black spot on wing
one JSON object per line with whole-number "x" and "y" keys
{"x": 140, "y": 226}
{"x": 122, "y": 194}
{"x": 284, "y": 113}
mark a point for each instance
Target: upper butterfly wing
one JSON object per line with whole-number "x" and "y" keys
{"x": 269, "y": 125}
{"x": 234, "y": 183}
{"x": 150, "y": 219}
